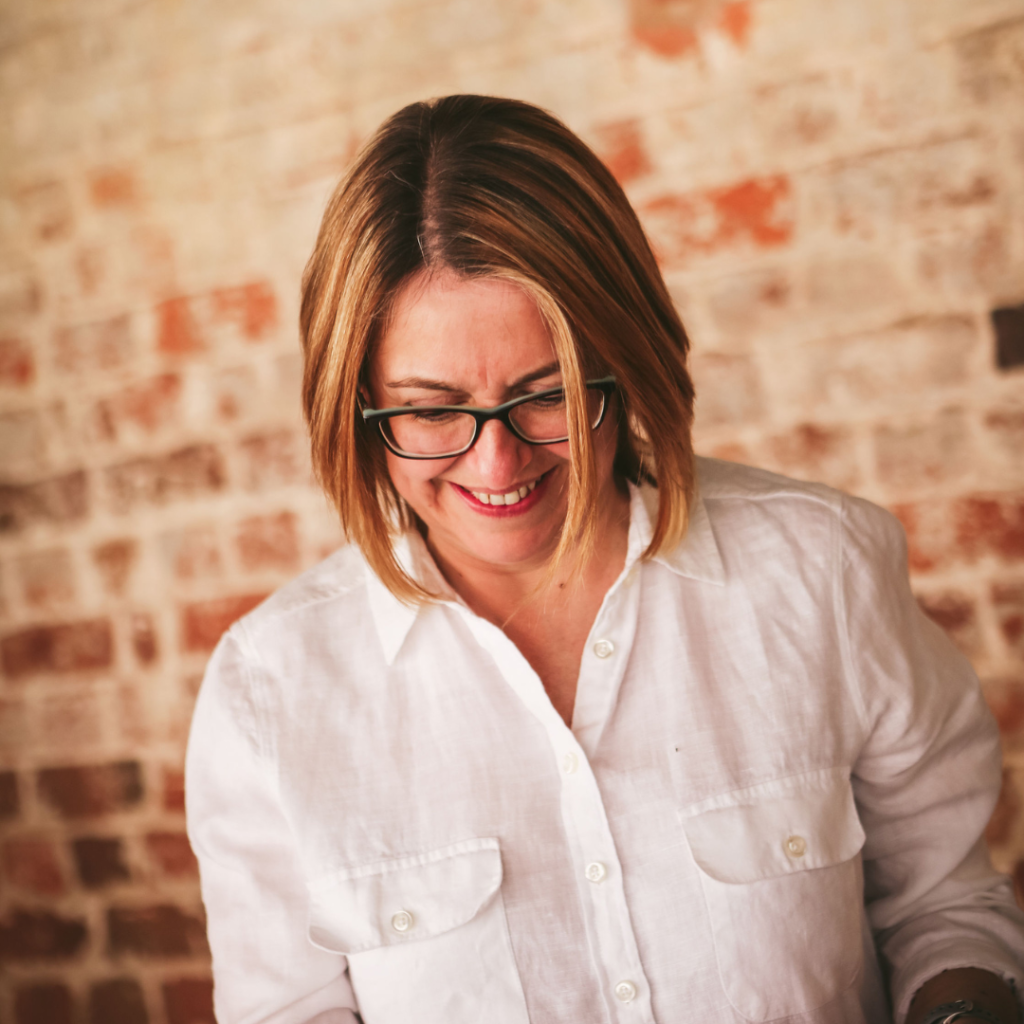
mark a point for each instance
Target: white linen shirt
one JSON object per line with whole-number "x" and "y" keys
{"x": 777, "y": 766}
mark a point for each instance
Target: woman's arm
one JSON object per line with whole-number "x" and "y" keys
{"x": 265, "y": 969}
{"x": 982, "y": 988}
{"x": 925, "y": 781}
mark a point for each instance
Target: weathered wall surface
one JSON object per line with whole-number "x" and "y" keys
{"x": 835, "y": 189}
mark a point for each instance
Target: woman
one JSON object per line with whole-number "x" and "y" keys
{"x": 577, "y": 728}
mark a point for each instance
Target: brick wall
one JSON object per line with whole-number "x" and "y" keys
{"x": 835, "y": 191}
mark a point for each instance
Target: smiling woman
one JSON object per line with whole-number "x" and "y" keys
{"x": 577, "y": 727}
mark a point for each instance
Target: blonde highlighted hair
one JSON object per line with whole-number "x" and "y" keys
{"x": 490, "y": 187}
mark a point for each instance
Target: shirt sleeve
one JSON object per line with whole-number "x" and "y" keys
{"x": 264, "y": 967}
{"x": 927, "y": 777}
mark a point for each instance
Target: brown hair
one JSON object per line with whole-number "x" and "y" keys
{"x": 493, "y": 187}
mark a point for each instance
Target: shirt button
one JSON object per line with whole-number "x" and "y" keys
{"x": 625, "y": 991}
{"x": 796, "y": 846}
{"x": 402, "y": 921}
{"x": 570, "y": 763}
{"x": 596, "y": 872}
{"x": 604, "y": 648}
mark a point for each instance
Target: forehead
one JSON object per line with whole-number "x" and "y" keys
{"x": 464, "y": 330}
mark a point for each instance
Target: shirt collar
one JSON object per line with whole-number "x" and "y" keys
{"x": 696, "y": 557}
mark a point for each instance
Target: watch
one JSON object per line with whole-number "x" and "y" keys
{"x": 947, "y": 1013}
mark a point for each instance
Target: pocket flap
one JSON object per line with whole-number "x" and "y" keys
{"x": 794, "y": 824}
{"x": 404, "y": 899}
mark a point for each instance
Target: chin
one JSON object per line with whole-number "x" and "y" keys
{"x": 498, "y": 548}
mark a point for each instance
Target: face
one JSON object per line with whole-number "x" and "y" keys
{"x": 480, "y": 341}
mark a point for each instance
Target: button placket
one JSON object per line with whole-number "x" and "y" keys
{"x": 583, "y": 812}
{"x": 402, "y": 921}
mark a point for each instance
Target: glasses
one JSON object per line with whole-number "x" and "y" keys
{"x": 444, "y": 431}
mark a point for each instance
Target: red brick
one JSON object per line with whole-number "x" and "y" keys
{"x": 957, "y": 615}
{"x": 9, "y": 802}
{"x": 810, "y": 451}
{"x": 757, "y": 211}
{"x": 90, "y": 268}
{"x": 203, "y": 623}
{"x": 1008, "y": 599}
{"x": 132, "y": 717}
{"x": 117, "y": 1001}
{"x": 63, "y": 499}
{"x": 1005, "y": 697}
{"x": 47, "y": 578}
{"x": 17, "y": 366}
{"x": 274, "y": 459}
{"x": 968, "y": 261}
{"x": 21, "y": 295}
{"x": 90, "y": 791}
{"x": 189, "y": 1001}
{"x": 728, "y": 389}
{"x": 992, "y": 62}
{"x": 86, "y": 348}
{"x": 152, "y": 269}
{"x": 666, "y": 40}
{"x": 930, "y": 533}
{"x": 70, "y": 720}
{"x": 113, "y": 187}
{"x": 730, "y": 451}
{"x": 100, "y": 861}
{"x": 31, "y": 864}
{"x": 669, "y": 27}
{"x": 746, "y": 304}
{"x": 251, "y": 307}
{"x": 15, "y": 732}
{"x": 177, "y": 331}
{"x": 926, "y": 453}
{"x": 23, "y": 443}
{"x": 174, "y": 790}
{"x": 991, "y": 526}
{"x": 40, "y": 935}
{"x": 1006, "y": 428}
{"x": 193, "y": 552}
{"x": 115, "y": 560}
{"x": 187, "y": 473}
{"x": 43, "y": 1003}
{"x": 621, "y": 147}
{"x": 156, "y": 931}
{"x": 1001, "y": 825}
{"x": 70, "y": 647}
{"x": 268, "y": 542}
{"x": 172, "y": 853}
{"x": 144, "y": 641}
{"x": 734, "y": 21}
{"x": 148, "y": 407}
{"x": 914, "y": 357}
{"x": 46, "y": 207}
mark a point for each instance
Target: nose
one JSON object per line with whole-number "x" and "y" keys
{"x": 498, "y": 456}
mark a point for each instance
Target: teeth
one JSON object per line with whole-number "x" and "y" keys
{"x": 504, "y": 499}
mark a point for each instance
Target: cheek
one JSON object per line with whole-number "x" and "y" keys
{"x": 415, "y": 480}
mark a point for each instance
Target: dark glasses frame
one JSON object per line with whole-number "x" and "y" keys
{"x": 606, "y": 385}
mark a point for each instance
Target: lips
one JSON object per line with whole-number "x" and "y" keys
{"x": 512, "y": 502}
{"x": 510, "y": 498}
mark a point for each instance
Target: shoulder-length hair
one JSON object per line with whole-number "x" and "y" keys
{"x": 490, "y": 187}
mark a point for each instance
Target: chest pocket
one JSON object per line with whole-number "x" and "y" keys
{"x": 425, "y": 936}
{"x": 783, "y": 882}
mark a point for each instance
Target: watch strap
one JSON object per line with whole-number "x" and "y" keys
{"x": 962, "y": 1009}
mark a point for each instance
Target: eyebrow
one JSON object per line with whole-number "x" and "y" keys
{"x": 426, "y": 384}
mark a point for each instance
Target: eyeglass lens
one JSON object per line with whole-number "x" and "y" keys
{"x": 437, "y": 432}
